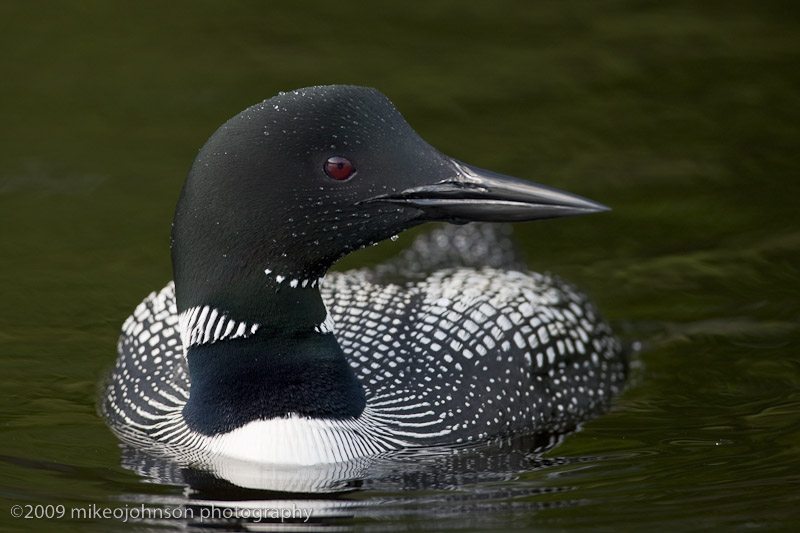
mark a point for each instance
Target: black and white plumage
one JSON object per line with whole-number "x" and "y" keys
{"x": 252, "y": 354}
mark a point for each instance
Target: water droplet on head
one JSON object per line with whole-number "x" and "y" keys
{"x": 395, "y": 237}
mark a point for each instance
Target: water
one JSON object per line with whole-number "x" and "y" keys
{"x": 682, "y": 116}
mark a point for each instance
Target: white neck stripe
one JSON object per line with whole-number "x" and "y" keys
{"x": 206, "y": 325}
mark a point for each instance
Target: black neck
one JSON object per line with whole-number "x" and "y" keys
{"x": 287, "y": 367}
{"x": 261, "y": 377}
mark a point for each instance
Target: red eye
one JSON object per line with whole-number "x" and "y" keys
{"x": 339, "y": 168}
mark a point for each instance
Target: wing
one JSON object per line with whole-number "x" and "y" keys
{"x": 468, "y": 353}
{"x": 150, "y": 366}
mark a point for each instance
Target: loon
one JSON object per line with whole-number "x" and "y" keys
{"x": 256, "y": 353}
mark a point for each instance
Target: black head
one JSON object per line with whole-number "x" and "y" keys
{"x": 293, "y": 183}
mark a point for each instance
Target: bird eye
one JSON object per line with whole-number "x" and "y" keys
{"x": 339, "y": 168}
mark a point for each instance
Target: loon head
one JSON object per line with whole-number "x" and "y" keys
{"x": 288, "y": 186}
{"x": 273, "y": 199}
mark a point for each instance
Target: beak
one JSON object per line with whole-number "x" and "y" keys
{"x": 474, "y": 194}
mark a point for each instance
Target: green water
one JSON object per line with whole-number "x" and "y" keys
{"x": 684, "y": 116}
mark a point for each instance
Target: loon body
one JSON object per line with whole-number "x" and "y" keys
{"x": 255, "y": 354}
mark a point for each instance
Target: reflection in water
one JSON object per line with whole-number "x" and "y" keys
{"x": 444, "y": 481}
